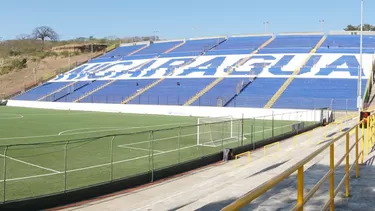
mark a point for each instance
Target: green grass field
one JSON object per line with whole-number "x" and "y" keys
{"x": 49, "y": 151}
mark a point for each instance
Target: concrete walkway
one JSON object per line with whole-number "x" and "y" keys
{"x": 214, "y": 187}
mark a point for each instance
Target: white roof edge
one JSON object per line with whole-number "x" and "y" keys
{"x": 351, "y": 33}
{"x": 135, "y": 43}
{"x": 205, "y": 38}
{"x": 164, "y": 41}
{"x": 301, "y": 33}
{"x": 253, "y": 35}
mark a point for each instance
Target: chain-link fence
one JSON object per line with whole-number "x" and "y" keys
{"x": 220, "y": 101}
{"x": 38, "y": 169}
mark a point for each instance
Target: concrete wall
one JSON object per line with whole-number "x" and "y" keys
{"x": 279, "y": 114}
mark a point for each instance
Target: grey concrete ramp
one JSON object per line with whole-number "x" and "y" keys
{"x": 362, "y": 190}
{"x": 214, "y": 187}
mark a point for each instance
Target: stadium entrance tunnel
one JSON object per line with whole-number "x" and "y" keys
{"x": 99, "y": 190}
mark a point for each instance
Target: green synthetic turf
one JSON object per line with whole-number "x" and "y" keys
{"x": 49, "y": 151}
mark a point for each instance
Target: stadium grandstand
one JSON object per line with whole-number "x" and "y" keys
{"x": 301, "y": 71}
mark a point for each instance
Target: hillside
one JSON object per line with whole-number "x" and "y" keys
{"x": 19, "y": 79}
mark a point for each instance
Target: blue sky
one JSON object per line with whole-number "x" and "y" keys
{"x": 177, "y": 18}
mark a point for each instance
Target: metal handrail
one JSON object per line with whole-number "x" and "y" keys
{"x": 299, "y": 167}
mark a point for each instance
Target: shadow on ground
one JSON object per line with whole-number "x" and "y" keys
{"x": 283, "y": 196}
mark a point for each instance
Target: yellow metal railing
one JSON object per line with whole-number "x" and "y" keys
{"x": 302, "y": 197}
{"x": 277, "y": 144}
{"x": 240, "y": 155}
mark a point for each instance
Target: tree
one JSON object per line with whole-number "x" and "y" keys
{"x": 351, "y": 28}
{"x": 44, "y": 32}
{"x": 366, "y": 27}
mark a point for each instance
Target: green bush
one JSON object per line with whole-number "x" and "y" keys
{"x": 19, "y": 63}
{"x": 64, "y": 54}
{"x": 76, "y": 53}
{"x": 5, "y": 70}
{"x": 14, "y": 53}
{"x": 44, "y": 54}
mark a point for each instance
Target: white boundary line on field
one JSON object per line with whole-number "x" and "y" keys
{"x": 30, "y": 164}
{"x": 160, "y": 139}
{"x": 54, "y": 135}
{"x": 5, "y": 116}
{"x": 141, "y": 149}
{"x": 113, "y": 128}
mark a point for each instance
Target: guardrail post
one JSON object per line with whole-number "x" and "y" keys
{"x": 300, "y": 188}
{"x": 368, "y": 135}
{"x": 332, "y": 177}
{"x": 5, "y": 172}
{"x": 65, "y": 166}
{"x": 152, "y": 155}
{"x": 112, "y": 157}
{"x": 356, "y": 152}
{"x": 363, "y": 143}
{"x": 347, "y": 173}
{"x": 179, "y": 144}
{"x": 263, "y": 127}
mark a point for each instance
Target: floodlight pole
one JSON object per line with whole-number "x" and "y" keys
{"x": 360, "y": 62}
{"x": 321, "y": 25}
{"x": 265, "y": 26}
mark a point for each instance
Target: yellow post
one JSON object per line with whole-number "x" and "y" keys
{"x": 325, "y": 131}
{"x": 363, "y": 128}
{"x": 371, "y": 131}
{"x": 332, "y": 177}
{"x": 264, "y": 151}
{"x": 300, "y": 188}
{"x": 308, "y": 138}
{"x": 340, "y": 126}
{"x": 347, "y": 173}
{"x": 356, "y": 152}
{"x": 368, "y": 135}
{"x": 363, "y": 143}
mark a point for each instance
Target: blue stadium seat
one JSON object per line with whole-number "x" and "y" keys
{"x": 347, "y": 44}
{"x": 239, "y": 45}
{"x": 284, "y": 50}
{"x": 41, "y": 91}
{"x": 194, "y": 47}
{"x": 118, "y": 91}
{"x": 64, "y": 92}
{"x": 157, "y": 48}
{"x": 122, "y": 51}
{"x": 82, "y": 91}
{"x": 310, "y": 93}
{"x": 172, "y": 91}
{"x": 294, "y": 41}
{"x": 257, "y": 93}
{"x": 222, "y": 92}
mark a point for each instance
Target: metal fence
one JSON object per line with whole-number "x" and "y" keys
{"x": 45, "y": 168}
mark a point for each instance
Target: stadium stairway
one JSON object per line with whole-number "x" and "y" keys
{"x": 163, "y": 78}
{"x": 56, "y": 91}
{"x": 136, "y": 51}
{"x": 175, "y": 47}
{"x": 228, "y": 72}
{"x": 279, "y": 92}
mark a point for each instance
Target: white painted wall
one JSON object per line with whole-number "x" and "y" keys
{"x": 279, "y": 114}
